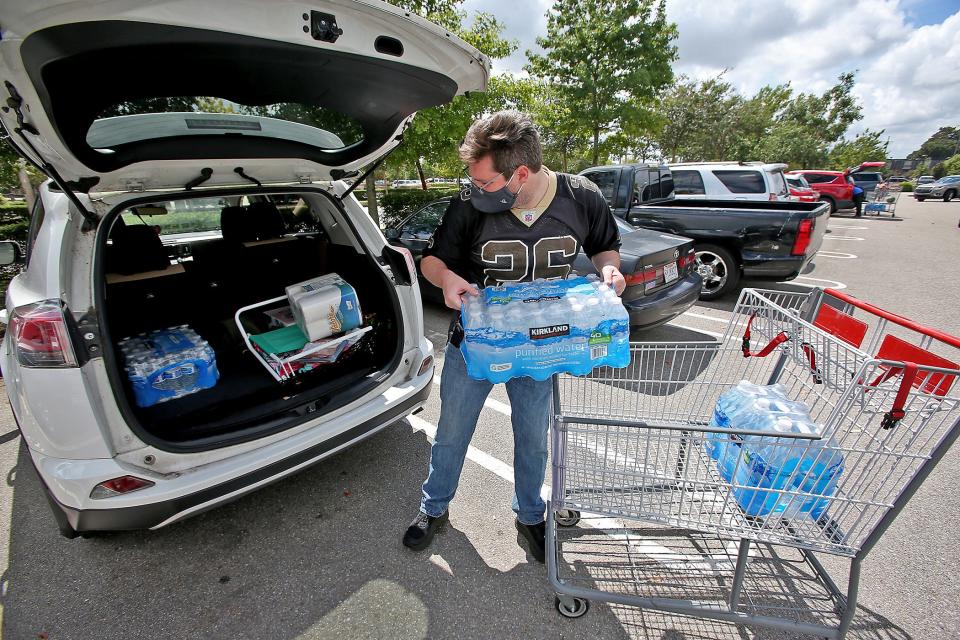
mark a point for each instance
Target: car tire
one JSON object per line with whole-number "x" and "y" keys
{"x": 831, "y": 202}
{"x": 719, "y": 270}
{"x": 949, "y": 195}
{"x": 920, "y": 199}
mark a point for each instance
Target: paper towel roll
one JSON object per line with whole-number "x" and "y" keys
{"x": 324, "y": 306}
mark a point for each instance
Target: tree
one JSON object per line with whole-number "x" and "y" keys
{"x": 696, "y": 119}
{"x": 951, "y": 165}
{"x": 809, "y": 125}
{"x": 607, "y": 60}
{"x": 867, "y": 146}
{"x": 939, "y": 170}
{"x": 938, "y": 147}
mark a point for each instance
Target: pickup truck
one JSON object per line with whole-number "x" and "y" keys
{"x": 732, "y": 239}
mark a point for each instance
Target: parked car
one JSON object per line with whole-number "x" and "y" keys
{"x": 109, "y": 257}
{"x": 406, "y": 184}
{"x": 800, "y": 190}
{"x": 729, "y": 181}
{"x": 662, "y": 281}
{"x": 925, "y": 180}
{"x": 770, "y": 240}
{"x": 835, "y": 187}
{"x": 867, "y": 180}
{"x": 896, "y": 179}
{"x": 947, "y": 187}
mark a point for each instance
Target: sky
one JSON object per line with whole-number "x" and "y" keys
{"x": 906, "y": 52}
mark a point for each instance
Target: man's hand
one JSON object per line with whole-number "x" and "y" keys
{"x": 454, "y": 288}
{"x": 613, "y": 277}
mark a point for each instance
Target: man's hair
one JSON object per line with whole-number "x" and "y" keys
{"x": 511, "y": 139}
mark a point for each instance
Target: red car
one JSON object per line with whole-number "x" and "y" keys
{"x": 800, "y": 190}
{"x": 835, "y": 187}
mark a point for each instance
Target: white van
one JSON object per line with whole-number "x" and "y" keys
{"x": 169, "y": 211}
{"x": 729, "y": 181}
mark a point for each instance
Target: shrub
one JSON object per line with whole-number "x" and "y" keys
{"x": 14, "y": 230}
{"x": 398, "y": 203}
{"x": 906, "y": 187}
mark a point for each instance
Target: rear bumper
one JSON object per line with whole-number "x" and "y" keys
{"x": 196, "y": 497}
{"x": 664, "y": 306}
{"x": 774, "y": 268}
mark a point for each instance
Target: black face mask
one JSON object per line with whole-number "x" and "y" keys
{"x": 493, "y": 201}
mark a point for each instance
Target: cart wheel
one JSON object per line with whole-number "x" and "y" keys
{"x": 579, "y": 608}
{"x": 567, "y": 517}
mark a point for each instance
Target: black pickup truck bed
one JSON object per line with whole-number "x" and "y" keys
{"x": 774, "y": 240}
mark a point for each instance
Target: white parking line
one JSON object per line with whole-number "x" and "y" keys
{"x": 833, "y": 237}
{"x": 832, "y": 284}
{"x": 840, "y": 226}
{"x": 706, "y": 317}
{"x": 839, "y": 255}
{"x": 712, "y": 334}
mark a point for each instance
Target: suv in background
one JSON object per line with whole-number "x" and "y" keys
{"x": 947, "y": 187}
{"x": 925, "y": 180}
{"x": 835, "y": 187}
{"x": 867, "y": 180}
{"x": 729, "y": 181}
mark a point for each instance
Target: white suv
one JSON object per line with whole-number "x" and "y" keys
{"x": 164, "y": 212}
{"x": 729, "y": 181}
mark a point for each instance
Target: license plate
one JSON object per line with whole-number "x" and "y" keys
{"x": 670, "y": 272}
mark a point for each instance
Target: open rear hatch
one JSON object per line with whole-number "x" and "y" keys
{"x": 112, "y": 94}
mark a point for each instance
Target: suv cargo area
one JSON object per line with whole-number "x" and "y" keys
{"x": 195, "y": 262}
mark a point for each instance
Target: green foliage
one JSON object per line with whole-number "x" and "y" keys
{"x": 906, "y": 187}
{"x": 9, "y": 166}
{"x": 707, "y": 120}
{"x": 399, "y": 203}
{"x": 938, "y": 147}
{"x": 15, "y": 230}
{"x": 939, "y": 170}
{"x": 606, "y": 60}
{"x": 952, "y": 165}
{"x": 866, "y": 147}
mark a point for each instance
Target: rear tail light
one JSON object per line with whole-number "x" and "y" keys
{"x": 119, "y": 486}
{"x": 651, "y": 275}
{"x": 41, "y": 336}
{"x": 804, "y": 233}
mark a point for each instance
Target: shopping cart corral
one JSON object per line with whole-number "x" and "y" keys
{"x": 661, "y": 527}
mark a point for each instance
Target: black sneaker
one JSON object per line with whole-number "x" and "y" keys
{"x": 534, "y": 533}
{"x": 421, "y": 530}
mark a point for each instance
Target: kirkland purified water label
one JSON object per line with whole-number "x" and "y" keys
{"x": 540, "y": 328}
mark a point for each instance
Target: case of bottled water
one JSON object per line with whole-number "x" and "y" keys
{"x": 788, "y": 477}
{"x": 168, "y": 363}
{"x": 544, "y": 327}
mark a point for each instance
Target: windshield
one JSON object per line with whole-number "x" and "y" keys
{"x": 948, "y": 179}
{"x": 156, "y": 118}
{"x": 624, "y": 226}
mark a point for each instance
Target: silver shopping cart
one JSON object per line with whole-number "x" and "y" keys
{"x": 884, "y": 200}
{"x": 661, "y": 526}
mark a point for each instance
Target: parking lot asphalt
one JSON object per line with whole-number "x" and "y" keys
{"x": 318, "y": 555}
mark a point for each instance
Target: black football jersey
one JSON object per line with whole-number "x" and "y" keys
{"x": 492, "y": 248}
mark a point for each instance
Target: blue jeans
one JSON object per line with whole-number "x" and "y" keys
{"x": 461, "y": 399}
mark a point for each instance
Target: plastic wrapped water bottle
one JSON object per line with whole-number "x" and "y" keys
{"x": 789, "y": 477}
{"x": 543, "y": 327}
{"x": 725, "y": 448}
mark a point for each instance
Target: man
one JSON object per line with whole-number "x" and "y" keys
{"x": 858, "y": 198}
{"x": 517, "y": 221}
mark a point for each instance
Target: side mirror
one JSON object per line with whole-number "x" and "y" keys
{"x": 392, "y": 234}
{"x": 9, "y": 252}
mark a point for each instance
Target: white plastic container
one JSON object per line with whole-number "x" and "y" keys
{"x": 324, "y": 306}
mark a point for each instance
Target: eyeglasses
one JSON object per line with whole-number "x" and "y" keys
{"x": 483, "y": 186}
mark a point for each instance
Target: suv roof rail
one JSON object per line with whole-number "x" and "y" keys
{"x": 747, "y": 163}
